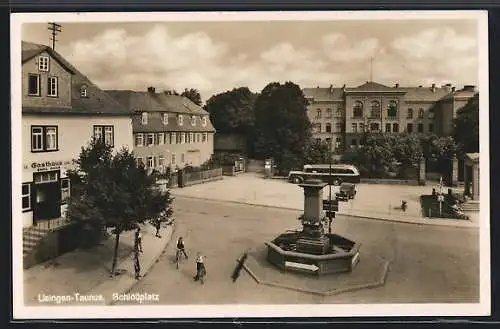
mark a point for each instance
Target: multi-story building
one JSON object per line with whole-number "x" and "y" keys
{"x": 169, "y": 130}
{"x": 61, "y": 111}
{"x": 342, "y": 115}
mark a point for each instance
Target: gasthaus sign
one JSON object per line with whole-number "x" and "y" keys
{"x": 47, "y": 165}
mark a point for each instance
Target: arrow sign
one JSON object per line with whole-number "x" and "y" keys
{"x": 332, "y": 205}
{"x": 307, "y": 267}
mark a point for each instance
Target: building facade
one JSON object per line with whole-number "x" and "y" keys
{"x": 170, "y": 131}
{"x": 341, "y": 116}
{"x": 61, "y": 111}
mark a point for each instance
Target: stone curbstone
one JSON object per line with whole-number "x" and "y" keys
{"x": 154, "y": 261}
{"x": 463, "y": 224}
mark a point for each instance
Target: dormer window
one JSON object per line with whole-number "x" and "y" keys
{"x": 144, "y": 118}
{"x": 164, "y": 118}
{"x": 179, "y": 119}
{"x": 193, "y": 120}
{"x": 204, "y": 121}
{"x": 43, "y": 63}
{"x": 83, "y": 91}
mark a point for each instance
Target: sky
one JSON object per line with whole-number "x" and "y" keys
{"x": 214, "y": 57}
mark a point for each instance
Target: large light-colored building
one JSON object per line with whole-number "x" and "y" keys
{"x": 341, "y": 115}
{"x": 169, "y": 130}
{"x": 61, "y": 111}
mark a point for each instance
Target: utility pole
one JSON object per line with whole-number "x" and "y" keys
{"x": 55, "y": 28}
{"x": 371, "y": 69}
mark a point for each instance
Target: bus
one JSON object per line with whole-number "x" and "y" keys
{"x": 340, "y": 173}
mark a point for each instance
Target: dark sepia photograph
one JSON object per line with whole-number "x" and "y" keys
{"x": 250, "y": 164}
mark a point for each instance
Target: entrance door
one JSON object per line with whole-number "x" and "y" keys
{"x": 47, "y": 196}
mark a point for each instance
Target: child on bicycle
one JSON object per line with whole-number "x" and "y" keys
{"x": 180, "y": 247}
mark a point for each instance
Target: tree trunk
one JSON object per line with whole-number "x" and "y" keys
{"x": 115, "y": 253}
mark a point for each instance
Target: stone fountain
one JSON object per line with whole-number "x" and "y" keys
{"x": 312, "y": 250}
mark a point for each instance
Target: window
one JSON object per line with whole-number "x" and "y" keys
{"x": 430, "y": 114}
{"x": 392, "y": 109}
{"x": 140, "y": 161}
{"x": 354, "y": 127}
{"x": 329, "y": 113}
{"x": 204, "y": 121}
{"x": 328, "y": 141}
{"x": 421, "y": 113}
{"x": 317, "y": 128}
{"x": 139, "y": 139}
{"x": 104, "y": 134}
{"x": 338, "y": 127}
{"x": 26, "y": 196}
{"x": 150, "y": 162}
{"x": 409, "y": 128}
{"x": 191, "y": 137}
{"x": 160, "y": 161}
{"x": 357, "y": 109}
{"x": 173, "y": 159}
{"x": 34, "y": 85}
{"x": 144, "y": 118}
{"x": 431, "y": 127}
{"x": 179, "y": 119}
{"x": 182, "y": 158}
{"x": 375, "y": 109}
{"x": 420, "y": 128}
{"x": 161, "y": 138}
{"x": 65, "y": 189}
{"x": 374, "y": 127}
{"x": 177, "y": 138}
{"x": 410, "y": 114}
{"x": 338, "y": 113}
{"x": 183, "y": 138}
{"x": 167, "y": 138}
{"x": 328, "y": 127}
{"x": 318, "y": 113}
{"x": 83, "y": 91}
{"x": 193, "y": 120}
{"x": 205, "y": 137}
{"x": 395, "y": 128}
{"x": 164, "y": 118}
{"x": 354, "y": 142}
{"x": 361, "y": 127}
{"x": 173, "y": 138}
{"x": 43, "y": 63}
{"x": 150, "y": 140}
{"x": 52, "y": 86}
{"x": 44, "y": 138}
{"x": 387, "y": 127}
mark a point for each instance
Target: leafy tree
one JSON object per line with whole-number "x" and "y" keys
{"x": 193, "y": 95}
{"x": 112, "y": 191}
{"x": 232, "y": 112}
{"x": 282, "y": 126}
{"x": 466, "y": 127}
{"x": 317, "y": 152}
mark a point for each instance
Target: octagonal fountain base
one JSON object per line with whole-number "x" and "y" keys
{"x": 319, "y": 255}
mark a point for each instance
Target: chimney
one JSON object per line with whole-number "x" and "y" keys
{"x": 433, "y": 87}
{"x": 420, "y": 86}
{"x": 151, "y": 90}
{"x": 470, "y": 87}
{"x": 343, "y": 87}
{"x": 331, "y": 88}
{"x": 453, "y": 89}
{"x": 396, "y": 85}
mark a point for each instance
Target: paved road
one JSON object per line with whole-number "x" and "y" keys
{"x": 429, "y": 263}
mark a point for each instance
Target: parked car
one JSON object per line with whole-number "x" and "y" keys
{"x": 346, "y": 192}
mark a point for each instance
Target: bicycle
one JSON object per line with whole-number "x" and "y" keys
{"x": 178, "y": 257}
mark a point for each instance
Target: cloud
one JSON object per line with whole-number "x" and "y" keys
{"x": 116, "y": 59}
{"x": 339, "y": 48}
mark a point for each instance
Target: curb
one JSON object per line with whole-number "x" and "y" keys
{"x": 401, "y": 221}
{"x": 378, "y": 283}
{"x": 153, "y": 263}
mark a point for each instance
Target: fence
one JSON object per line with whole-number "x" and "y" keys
{"x": 200, "y": 177}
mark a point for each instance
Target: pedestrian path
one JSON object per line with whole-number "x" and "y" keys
{"x": 87, "y": 272}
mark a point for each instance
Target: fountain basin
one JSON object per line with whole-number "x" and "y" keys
{"x": 341, "y": 255}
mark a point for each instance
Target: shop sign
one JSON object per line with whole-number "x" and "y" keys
{"x": 47, "y": 165}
